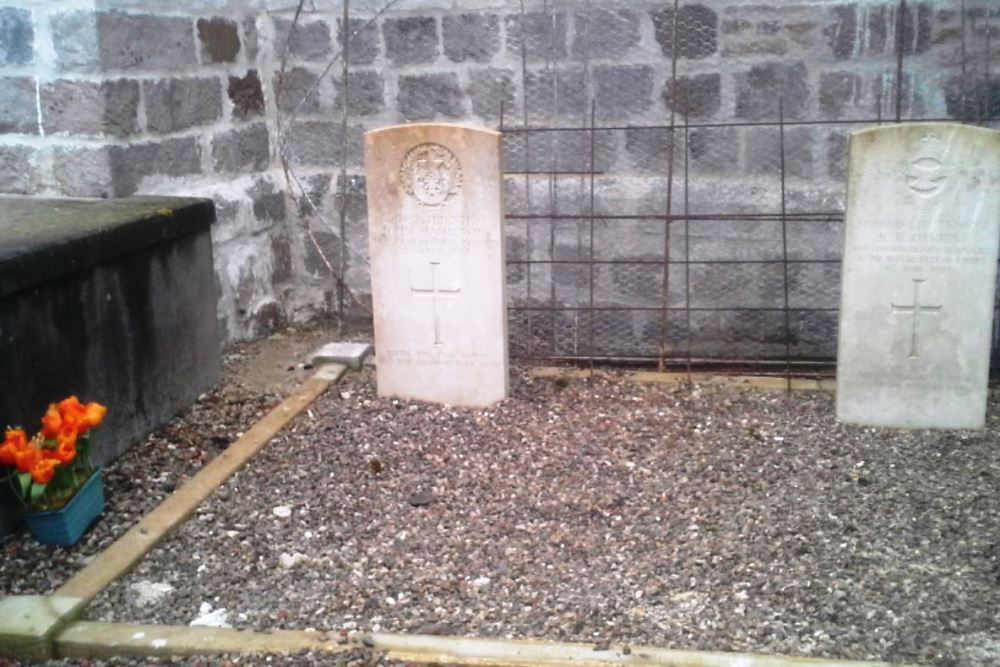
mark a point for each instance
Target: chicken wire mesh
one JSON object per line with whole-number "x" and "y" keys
{"x": 673, "y": 172}
{"x": 687, "y": 233}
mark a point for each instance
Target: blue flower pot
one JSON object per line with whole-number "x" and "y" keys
{"x": 64, "y": 526}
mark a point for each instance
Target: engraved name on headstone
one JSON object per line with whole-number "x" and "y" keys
{"x": 435, "y": 225}
{"x": 919, "y": 275}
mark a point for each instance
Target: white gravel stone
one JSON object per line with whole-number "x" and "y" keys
{"x": 150, "y": 592}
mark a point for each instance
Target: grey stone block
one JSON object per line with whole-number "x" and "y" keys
{"x": 313, "y": 199}
{"x": 622, "y": 90}
{"x": 411, "y": 40}
{"x": 854, "y": 30}
{"x": 18, "y": 172}
{"x": 322, "y": 143}
{"x": 365, "y": 93}
{"x": 768, "y": 27}
{"x": 836, "y": 154}
{"x": 773, "y": 46}
{"x": 351, "y": 195}
{"x": 737, "y": 285}
{"x": 242, "y": 149}
{"x": 74, "y": 35}
{"x": 296, "y": 88}
{"x": 489, "y": 88}
{"x": 88, "y": 107}
{"x": 813, "y": 334}
{"x": 557, "y": 92}
{"x": 842, "y": 32}
{"x": 605, "y": 33}
{"x": 17, "y": 105}
{"x": 917, "y": 28}
{"x": 17, "y": 37}
{"x": 650, "y": 149}
{"x": 965, "y": 100}
{"x": 363, "y": 46}
{"x": 813, "y": 285}
{"x": 282, "y": 269}
{"x": 759, "y": 90}
{"x": 220, "y": 40}
{"x": 246, "y": 94}
{"x": 567, "y": 150}
{"x": 839, "y": 91}
{"x": 543, "y": 35}
{"x": 763, "y": 151}
{"x": 177, "y": 104}
{"x": 422, "y": 97}
{"x": 714, "y": 150}
{"x": 473, "y": 37}
{"x": 638, "y": 284}
{"x": 918, "y": 96}
{"x": 697, "y": 31}
{"x": 141, "y": 41}
{"x": 697, "y": 95}
{"x": 251, "y": 38}
{"x": 171, "y": 157}
{"x": 83, "y": 172}
{"x": 310, "y": 41}
{"x": 722, "y": 240}
{"x": 268, "y": 202}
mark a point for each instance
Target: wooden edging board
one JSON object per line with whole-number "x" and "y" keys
{"x": 130, "y": 548}
{"x": 104, "y": 640}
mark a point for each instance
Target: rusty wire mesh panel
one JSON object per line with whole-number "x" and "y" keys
{"x": 696, "y": 214}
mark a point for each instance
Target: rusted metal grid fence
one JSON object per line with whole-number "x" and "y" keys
{"x": 711, "y": 244}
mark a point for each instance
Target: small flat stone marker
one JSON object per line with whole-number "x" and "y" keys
{"x": 435, "y": 227}
{"x": 919, "y": 275}
{"x": 350, "y": 354}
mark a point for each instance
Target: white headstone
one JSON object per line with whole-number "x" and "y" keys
{"x": 919, "y": 275}
{"x": 436, "y": 240}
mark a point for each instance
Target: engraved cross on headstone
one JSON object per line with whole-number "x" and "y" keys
{"x": 435, "y": 292}
{"x": 916, "y": 310}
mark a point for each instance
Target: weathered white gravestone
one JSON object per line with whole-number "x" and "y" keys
{"x": 919, "y": 274}
{"x": 435, "y": 228}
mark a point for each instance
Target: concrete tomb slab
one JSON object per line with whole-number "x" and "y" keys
{"x": 919, "y": 275}
{"x": 435, "y": 224}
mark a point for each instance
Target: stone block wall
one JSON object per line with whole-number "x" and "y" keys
{"x": 111, "y": 97}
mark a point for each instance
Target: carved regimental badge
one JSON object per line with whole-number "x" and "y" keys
{"x": 927, "y": 174}
{"x": 431, "y": 174}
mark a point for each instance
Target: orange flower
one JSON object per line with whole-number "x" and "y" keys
{"x": 51, "y": 422}
{"x": 8, "y": 454}
{"x": 71, "y": 411}
{"x": 26, "y": 458}
{"x": 17, "y": 437}
{"x": 67, "y": 434}
{"x": 93, "y": 415}
{"x": 43, "y": 470}
{"x": 64, "y": 453}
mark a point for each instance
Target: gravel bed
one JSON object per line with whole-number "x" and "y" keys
{"x": 601, "y": 510}
{"x": 141, "y": 478}
{"x": 357, "y": 657}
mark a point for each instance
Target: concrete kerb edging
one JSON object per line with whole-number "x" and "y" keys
{"x": 29, "y": 632}
{"x": 104, "y": 640}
